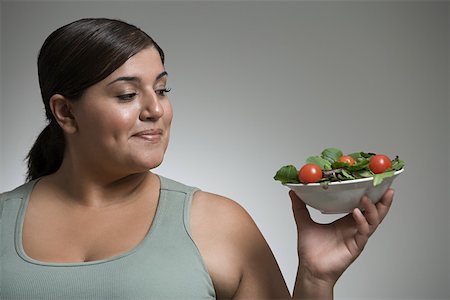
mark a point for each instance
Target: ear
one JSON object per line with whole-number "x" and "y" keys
{"x": 62, "y": 111}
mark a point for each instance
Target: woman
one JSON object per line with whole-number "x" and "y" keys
{"x": 93, "y": 222}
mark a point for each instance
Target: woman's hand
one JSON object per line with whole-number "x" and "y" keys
{"x": 327, "y": 250}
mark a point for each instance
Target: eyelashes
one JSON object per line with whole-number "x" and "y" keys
{"x": 127, "y": 96}
{"x": 163, "y": 92}
{"x": 131, "y": 96}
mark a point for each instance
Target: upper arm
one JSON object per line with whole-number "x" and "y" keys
{"x": 238, "y": 258}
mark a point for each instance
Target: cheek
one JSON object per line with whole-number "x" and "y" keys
{"x": 168, "y": 114}
{"x": 123, "y": 118}
{"x": 120, "y": 124}
{"x": 108, "y": 123}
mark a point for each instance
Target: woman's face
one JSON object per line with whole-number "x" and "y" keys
{"x": 123, "y": 122}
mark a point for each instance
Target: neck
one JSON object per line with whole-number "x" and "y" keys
{"x": 91, "y": 190}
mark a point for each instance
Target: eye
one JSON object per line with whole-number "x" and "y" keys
{"x": 127, "y": 96}
{"x": 162, "y": 92}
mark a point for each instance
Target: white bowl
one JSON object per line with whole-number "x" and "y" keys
{"x": 341, "y": 196}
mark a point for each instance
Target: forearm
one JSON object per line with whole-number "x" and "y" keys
{"x": 310, "y": 288}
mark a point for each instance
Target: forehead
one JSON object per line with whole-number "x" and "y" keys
{"x": 145, "y": 64}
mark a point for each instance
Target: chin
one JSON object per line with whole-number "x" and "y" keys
{"x": 148, "y": 161}
{"x": 152, "y": 163}
{"x": 155, "y": 165}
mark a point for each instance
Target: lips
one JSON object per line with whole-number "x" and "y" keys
{"x": 152, "y": 135}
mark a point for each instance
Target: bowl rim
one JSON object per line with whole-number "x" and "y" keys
{"x": 343, "y": 182}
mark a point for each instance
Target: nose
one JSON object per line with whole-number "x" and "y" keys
{"x": 152, "y": 108}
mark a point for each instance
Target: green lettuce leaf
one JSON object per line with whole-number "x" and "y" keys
{"x": 378, "y": 178}
{"x": 321, "y": 162}
{"x": 332, "y": 154}
{"x": 287, "y": 174}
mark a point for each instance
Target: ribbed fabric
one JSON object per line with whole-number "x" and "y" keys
{"x": 165, "y": 265}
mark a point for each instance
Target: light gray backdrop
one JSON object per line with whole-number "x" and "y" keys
{"x": 257, "y": 85}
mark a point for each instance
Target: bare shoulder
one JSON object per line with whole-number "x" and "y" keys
{"x": 221, "y": 223}
{"x": 236, "y": 254}
{"x": 225, "y": 220}
{"x": 216, "y": 207}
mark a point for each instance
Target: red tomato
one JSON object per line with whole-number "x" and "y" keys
{"x": 379, "y": 163}
{"x": 310, "y": 173}
{"x": 347, "y": 159}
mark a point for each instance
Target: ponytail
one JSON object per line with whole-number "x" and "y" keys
{"x": 46, "y": 155}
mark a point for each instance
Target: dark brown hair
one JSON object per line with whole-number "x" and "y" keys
{"x": 73, "y": 58}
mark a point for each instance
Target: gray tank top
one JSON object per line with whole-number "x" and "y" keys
{"x": 165, "y": 265}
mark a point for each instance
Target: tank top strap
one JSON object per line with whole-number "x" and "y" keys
{"x": 176, "y": 198}
{"x": 2, "y": 199}
{"x": 10, "y": 203}
{"x": 19, "y": 192}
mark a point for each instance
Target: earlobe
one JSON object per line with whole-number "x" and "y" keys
{"x": 62, "y": 111}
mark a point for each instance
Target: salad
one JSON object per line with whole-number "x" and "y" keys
{"x": 332, "y": 165}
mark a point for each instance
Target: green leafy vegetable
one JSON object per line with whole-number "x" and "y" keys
{"x": 320, "y": 161}
{"x": 361, "y": 164}
{"x": 332, "y": 154}
{"x": 333, "y": 170}
{"x": 378, "y": 178}
{"x": 287, "y": 174}
{"x": 397, "y": 164}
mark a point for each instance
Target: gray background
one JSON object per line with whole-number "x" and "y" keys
{"x": 257, "y": 85}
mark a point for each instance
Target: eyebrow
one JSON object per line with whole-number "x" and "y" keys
{"x": 136, "y": 79}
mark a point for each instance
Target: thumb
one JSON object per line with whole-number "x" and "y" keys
{"x": 301, "y": 213}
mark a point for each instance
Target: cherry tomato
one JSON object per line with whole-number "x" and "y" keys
{"x": 379, "y": 163}
{"x": 310, "y": 173}
{"x": 347, "y": 159}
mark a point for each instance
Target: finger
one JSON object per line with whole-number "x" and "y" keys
{"x": 301, "y": 213}
{"x": 385, "y": 203}
{"x": 370, "y": 213}
{"x": 373, "y": 215}
{"x": 363, "y": 228}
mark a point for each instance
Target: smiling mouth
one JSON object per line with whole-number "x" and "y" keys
{"x": 153, "y": 136}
